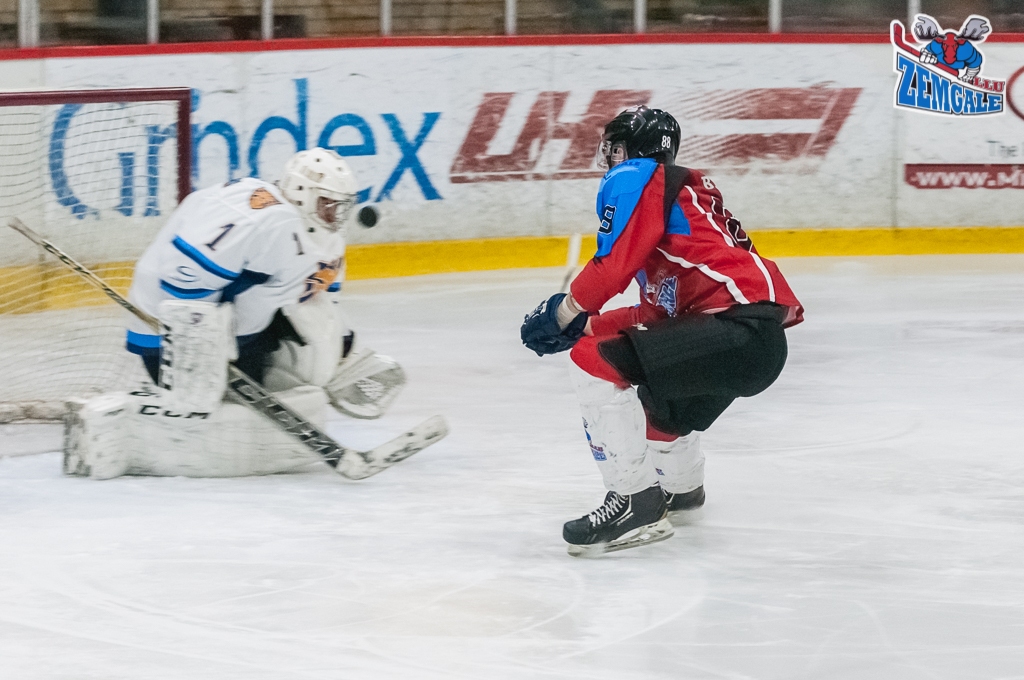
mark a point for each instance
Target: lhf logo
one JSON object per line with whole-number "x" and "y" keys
{"x": 721, "y": 128}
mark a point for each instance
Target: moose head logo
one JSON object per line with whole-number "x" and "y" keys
{"x": 955, "y": 50}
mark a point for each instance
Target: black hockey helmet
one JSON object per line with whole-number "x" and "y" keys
{"x": 639, "y": 132}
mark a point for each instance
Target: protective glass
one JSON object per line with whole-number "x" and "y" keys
{"x": 610, "y": 154}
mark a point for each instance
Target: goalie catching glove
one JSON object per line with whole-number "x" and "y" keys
{"x": 362, "y": 383}
{"x": 365, "y": 384}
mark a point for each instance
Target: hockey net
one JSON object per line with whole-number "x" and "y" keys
{"x": 96, "y": 173}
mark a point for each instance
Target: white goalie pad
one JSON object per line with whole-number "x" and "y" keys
{"x": 138, "y": 434}
{"x": 365, "y": 383}
{"x": 320, "y": 325}
{"x": 197, "y": 343}
{"x": 97, "y": 437}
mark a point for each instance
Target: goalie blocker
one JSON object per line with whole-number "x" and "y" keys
{"x": 184, "y": 428}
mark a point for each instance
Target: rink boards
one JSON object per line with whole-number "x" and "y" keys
{"x": 481, "y": 155}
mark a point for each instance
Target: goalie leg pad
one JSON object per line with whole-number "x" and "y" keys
{"x": 365, "y": 384}
{"x": 197, "y": 344}
{"x": 97, "y": 436}
{"x": 139, "y": 434}
{"x": 311, "y": 361}
{"x": 231, "y": 441}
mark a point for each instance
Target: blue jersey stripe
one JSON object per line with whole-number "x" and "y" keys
{"x": 246, "y": 280}
{"x": 203, "y": 261}
{"x": 186, "y": 293}
{"x": 143, "y": 339}
{"x": 142, "y": 343}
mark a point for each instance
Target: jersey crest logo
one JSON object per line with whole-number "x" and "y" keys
{"x": 261, "y": 198}
{"x": 941, "y": 74}
{"x": 321, "y": 279}
{"x": 667, "y": 295}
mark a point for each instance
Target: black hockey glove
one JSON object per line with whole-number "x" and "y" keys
{"x": 540, "y": 331}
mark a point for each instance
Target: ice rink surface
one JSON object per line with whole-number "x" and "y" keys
{"x": 865, "y": 515}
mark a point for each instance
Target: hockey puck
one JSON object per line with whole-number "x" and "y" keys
{"x": 368, "y": 216}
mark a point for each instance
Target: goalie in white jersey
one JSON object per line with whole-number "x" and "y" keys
{"x": 247, "y": 272}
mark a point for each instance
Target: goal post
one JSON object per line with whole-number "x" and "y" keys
{"x": 97, "y": 172}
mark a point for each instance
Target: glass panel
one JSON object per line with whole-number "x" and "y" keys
{"x": 77, "y": 22}
{"x": 700, "y": 16}
{"x": 1007, "y": 16}
{"x": 323, "y": 18}
{"x": 448, "y": 17}
{"x": 851, "y": 16}
{"x": 574, "y": 16}
{"x": 8, "y": 23}
{"x": 210, "y": 20}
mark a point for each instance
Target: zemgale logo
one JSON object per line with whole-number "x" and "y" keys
{"x": 942, "y": 73}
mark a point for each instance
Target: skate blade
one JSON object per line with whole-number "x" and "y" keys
{"x": 683, "y": 517}
{"x": 645, "y": 535}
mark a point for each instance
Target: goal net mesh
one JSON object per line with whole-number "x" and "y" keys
{"x": 97, "y": 180}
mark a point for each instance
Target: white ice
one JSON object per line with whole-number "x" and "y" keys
{"x": 865, "y": 515}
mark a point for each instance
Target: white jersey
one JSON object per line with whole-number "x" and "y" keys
{"x": 240, "y": 242}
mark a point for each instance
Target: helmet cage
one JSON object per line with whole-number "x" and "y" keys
{"x": 342, "y": 202}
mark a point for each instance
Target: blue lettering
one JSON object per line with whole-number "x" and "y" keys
{"x": 956, "y": 98}
{"x": 904, "y": 91}
{"x": 155, "y": 136}
{"x": 127, "y": 204}
{"x": 970, "y": 103}
{"x": 296, "y": 130}
{"x": 219, "y": 128}
{"x": 58, "y": 177}
{"x": 367, "y": 148}
{"x": 924, "y": 100}
{"x": 940, "y": 95}
{"x": 995, "y": 102}
{"x": 410, "y": 161}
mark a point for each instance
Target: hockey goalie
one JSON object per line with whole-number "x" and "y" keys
{"x": 247, "y": 272}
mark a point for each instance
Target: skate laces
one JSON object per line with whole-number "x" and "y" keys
{"x": 612, "y": 505}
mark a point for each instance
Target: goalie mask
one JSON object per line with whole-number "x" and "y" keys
{"x": 639, "y": 132}
{"x": 320, "y": 184}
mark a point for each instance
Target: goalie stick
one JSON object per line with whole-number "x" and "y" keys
{"x": 350, "y": 463}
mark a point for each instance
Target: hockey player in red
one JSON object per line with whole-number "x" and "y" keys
{"x": 651, "y": 378}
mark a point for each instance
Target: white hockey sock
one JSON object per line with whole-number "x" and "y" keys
{"x": 679, "y": 464}
{"x": 615, "y": 425}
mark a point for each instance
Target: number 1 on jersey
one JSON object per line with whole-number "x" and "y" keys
{"x": 224, "y": 232}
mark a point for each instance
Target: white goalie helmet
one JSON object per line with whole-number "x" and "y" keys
{"x": 321, "y": 185}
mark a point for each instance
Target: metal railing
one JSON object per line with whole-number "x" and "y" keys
{"x": 153, "y": 21}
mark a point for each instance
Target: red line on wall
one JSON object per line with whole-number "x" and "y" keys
{"x": 455, "y": 41}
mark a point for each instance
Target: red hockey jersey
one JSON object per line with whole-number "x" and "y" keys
{"x": 698, "y": 261}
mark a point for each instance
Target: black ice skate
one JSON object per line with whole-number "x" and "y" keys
{"x": 622, "y": 522}
{"x": 684, "y": 507}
